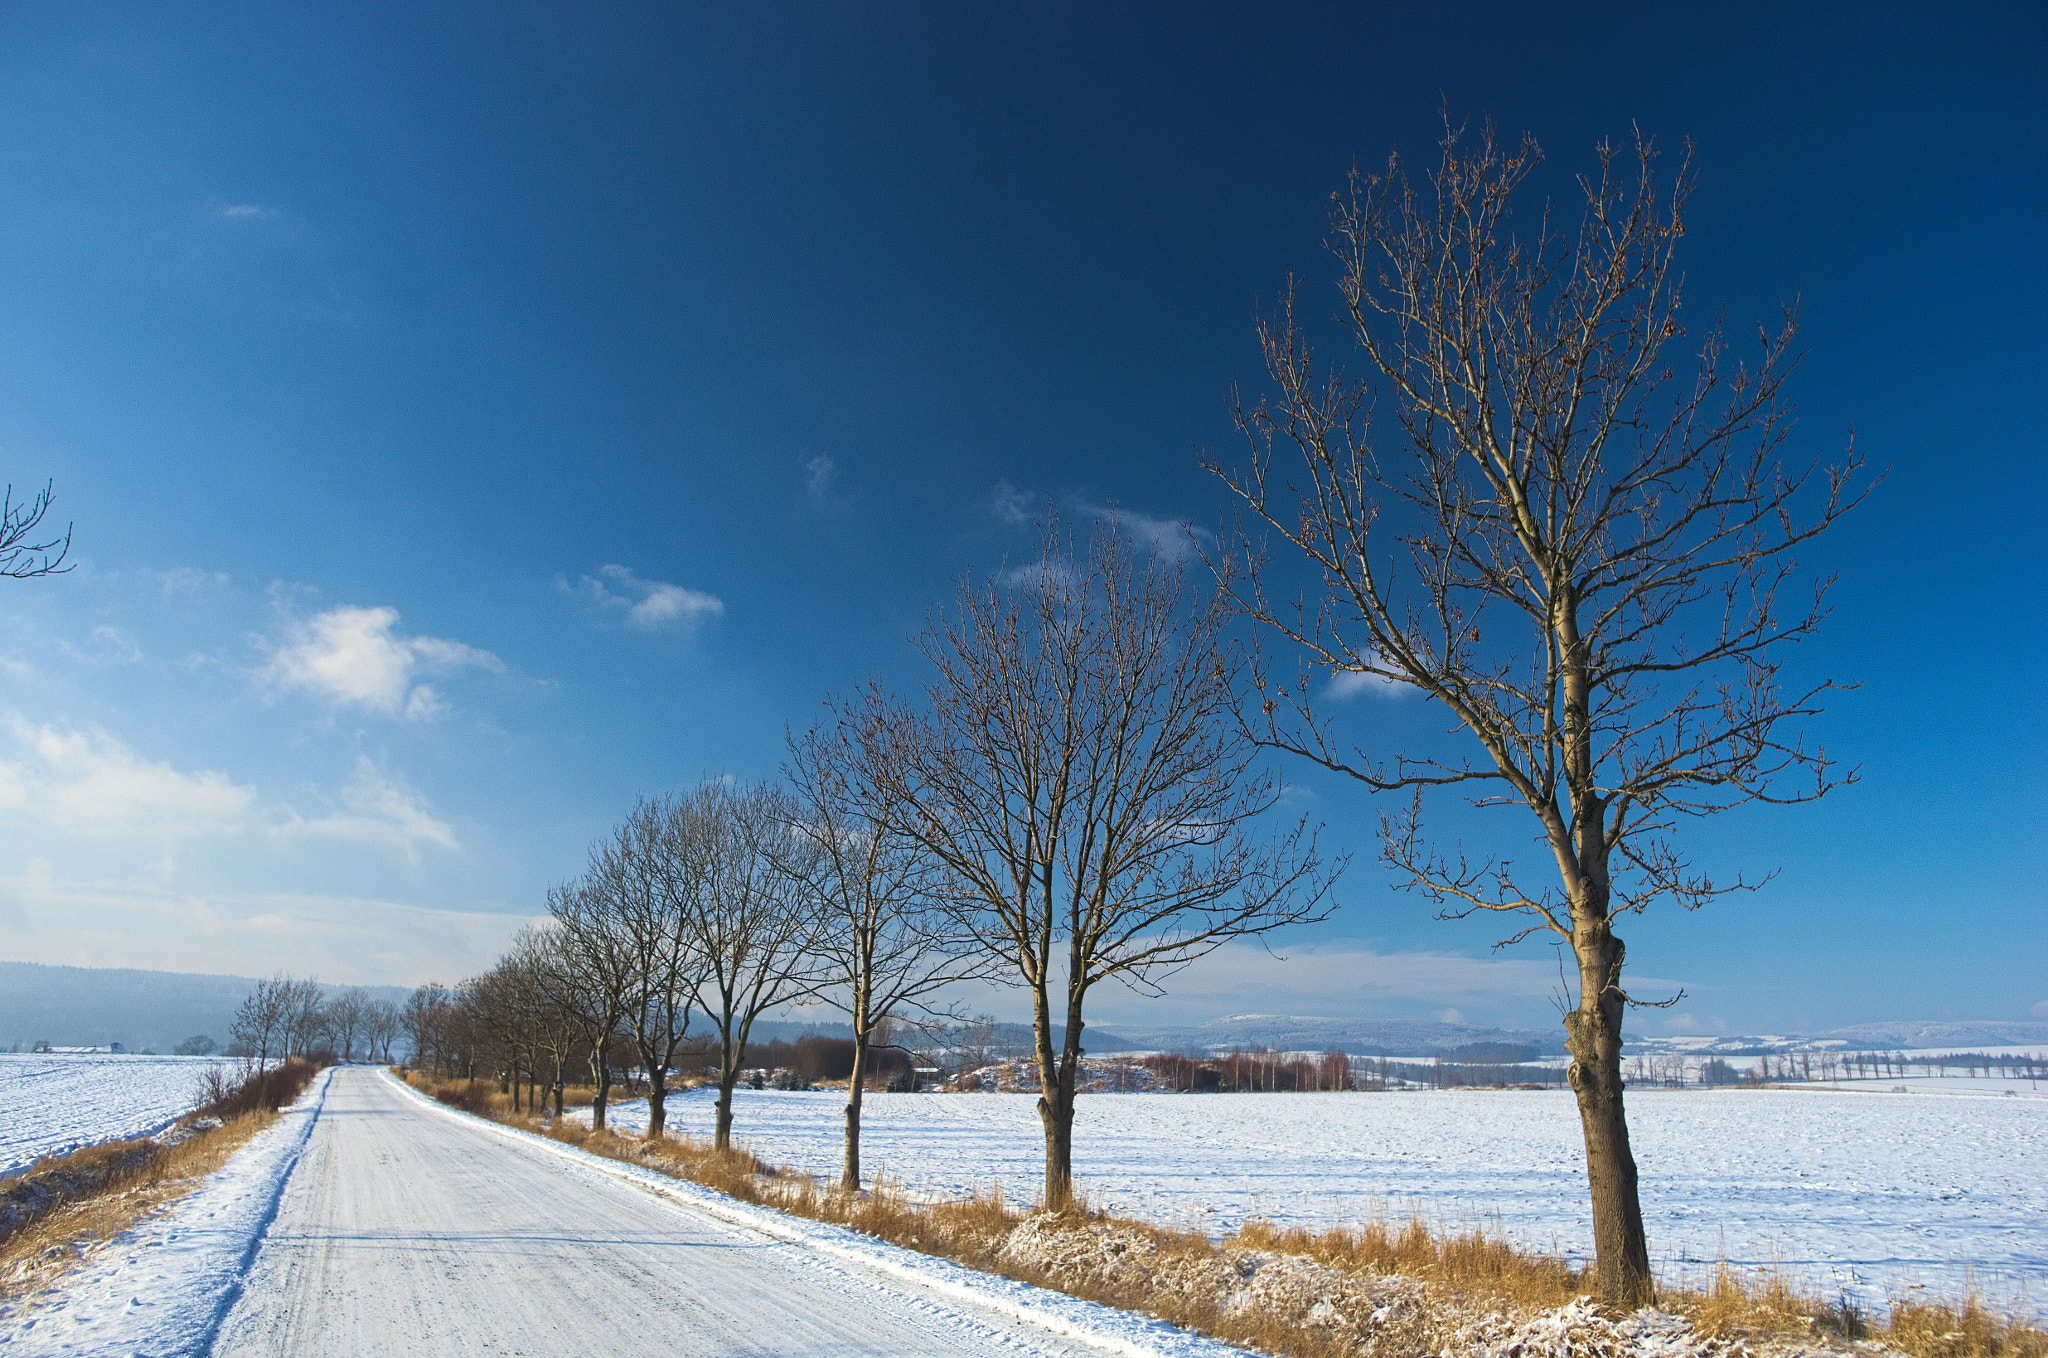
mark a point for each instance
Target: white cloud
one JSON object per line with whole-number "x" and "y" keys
{"x": 89, "y": 784}
{"x": 378, "y": 809}
{"x": 646, "y": 604}
{"x": 341, "y": 939}
{"x": 819, "y": 473}
{"x": 107, "y": 646}
{"x": 189, "y": 580}
{"x": 244, "y": 212}
{"x": 1350, "y": 683}
{"x": 356, "y": 657}
{"x": 1173, "y": 538}
{"x": 1010, "y": 503}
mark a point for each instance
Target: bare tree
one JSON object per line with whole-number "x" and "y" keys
{"x": 304, "y": 1024}
{"x": 1585, "y": 561}
{"x": 654, "y": 870}
{"x": 887, "y": 941}
{"x": 347, "y": 1014}
{"x": 21, "y": 557}
{"x": 754, "y": 919}
{"x": 261, "y": 1019}
{"x": 589, "y": 974}
{"x": 425, "y": 1021}
{"x": 555, "y": 1026}
{"x": 382, "y": 1023}
{"x": 1081, "y": 776}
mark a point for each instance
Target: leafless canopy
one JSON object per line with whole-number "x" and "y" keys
{"x": 1580, "y": 543}
{"x": 1587, "y": 553}
{"x": 1080, "y": 775}
{"x": 889, "y": 946}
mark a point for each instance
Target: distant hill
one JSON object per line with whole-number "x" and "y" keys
{"x": 1296, "y": 1032}
{"x": 156, "y": 1010}
{"x": 144, "y": 1010}
{"x": 1931, "y": 1033}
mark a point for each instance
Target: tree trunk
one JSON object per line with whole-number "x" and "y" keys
{"x": 1056, "y": 1080}
{"x": 722, "y": 1137}
{"x": 657, "y": 1103}
{"x": 1593, "y": 1036}
{"x": 601, "y": 1071}
{"x": 849, "y": 1174}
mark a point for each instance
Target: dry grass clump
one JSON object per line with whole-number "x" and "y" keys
{"x": 1968, "y": 1330}
{"x": 74, "y": 1202}
{"x": 53, "y": 1214}
{"x": 1377, "y": 1289}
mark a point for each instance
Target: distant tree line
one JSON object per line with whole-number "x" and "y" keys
{"x": 1071, "y": 801}
{"x": 284, "y": 1017}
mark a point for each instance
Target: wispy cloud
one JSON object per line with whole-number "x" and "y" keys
{"x": 819, "y": 473}
{"x": 189, "y": 580}
{"x": 1011, "y": 503}
{"x": 1350, "y": 683}
{"x": 1173, "y": 538}
{"x": 91, "y": 785}
{"x": 244, "y": 212}
{"x": 107, "y": 645}
{"x": 139, "y": 922}
{"x": 356, "y": 657}
{"x": 1014, "y": 504}
{"x": 378, "y": 809}
{"x": 647, "y": 604}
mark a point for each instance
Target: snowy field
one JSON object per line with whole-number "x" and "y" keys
{"x": 1869, "y": 1193}
{"x": 53, "y": 1104}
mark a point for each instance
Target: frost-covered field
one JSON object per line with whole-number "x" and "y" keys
{"x": 52, "y": 1104}
{"x": 1872, "y": 1193}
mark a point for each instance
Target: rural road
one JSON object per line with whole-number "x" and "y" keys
{"x": 403, "y": 1230}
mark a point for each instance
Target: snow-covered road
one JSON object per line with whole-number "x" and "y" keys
{"x": 392, "y": 1225}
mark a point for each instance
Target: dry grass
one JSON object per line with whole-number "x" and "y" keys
{"x": 111, "y": 1188}
{"x": 1376, "y": 1289}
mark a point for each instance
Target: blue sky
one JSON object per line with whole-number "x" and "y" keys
{"x": 476, "y": 416}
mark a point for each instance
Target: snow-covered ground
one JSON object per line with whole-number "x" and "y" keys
{"x": 164, "y": 1287}
{"x": 400, "y": 1225}
{"x": 53, "y": 1104}
{"x": 1872, "y": 1193}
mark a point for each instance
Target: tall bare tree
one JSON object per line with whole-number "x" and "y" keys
{"x": 1080, "y": 774}
{"x": 425, "y": 1019}
{"x": 754, "y": 919}
{"x": 303, "y": 1025}
{"x": 590, "y": 973}
{"x": 260, "y": 1020}
{"x": 1579, "y": 546}
{"x": 654, "y": 869}
{"x": 534, "y": 953}
{"x": 889, "y": 945}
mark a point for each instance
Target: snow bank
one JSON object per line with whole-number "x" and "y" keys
{"x": 163, "y": 1288}
{"x": 1856, "y": 1193}
{"x": 53, "y": 1104}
